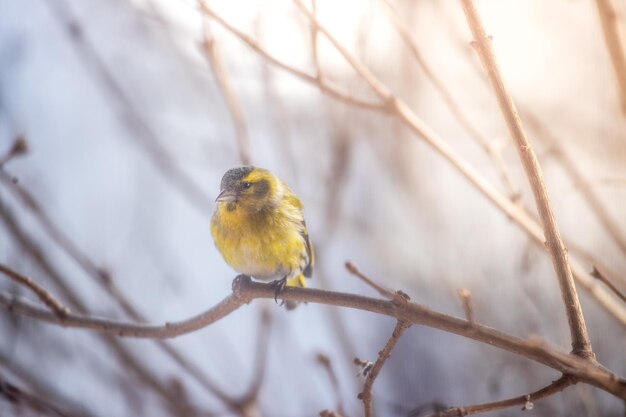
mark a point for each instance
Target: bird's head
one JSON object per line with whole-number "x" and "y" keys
{"x": 250, "y": 188}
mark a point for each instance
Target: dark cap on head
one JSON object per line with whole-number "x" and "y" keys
{"x": 234, "y": 175}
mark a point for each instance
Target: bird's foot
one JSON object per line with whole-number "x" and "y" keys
{"x": 279, "y": 286}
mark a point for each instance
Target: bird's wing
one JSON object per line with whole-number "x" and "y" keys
{"x": 308, "y": 269}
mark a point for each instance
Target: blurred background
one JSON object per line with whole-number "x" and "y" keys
{"x": 132, "y": 110}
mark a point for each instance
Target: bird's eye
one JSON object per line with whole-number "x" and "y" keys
{"x": 247, "y": 185}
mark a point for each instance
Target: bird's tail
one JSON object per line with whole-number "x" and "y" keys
{"x": 298, "y": 281}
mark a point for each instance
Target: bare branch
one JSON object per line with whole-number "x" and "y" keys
{"x": 251, "y": 395}
{"x": 234, "y": 106}
{"x": 322, "y": 85}
{"x": 381, "y": 290}
{"x": 21, "y": 398}
{"x": 383, "y": 355}
{"x": 613, "y": 29}
{"x": 324, "y": 360}
{"x": 19, "y": 148}
{"x": 612, "y": 227}
{"x": 581, "y": 344}
{"x": 524, "y": 400}
{"x": 46, "y": 297}
{"x": 330, "y": 413}
{"x": 602, "y": 277}
{"x": 314, "y": 46}
{"x": 468, "y": 306}
{"x": 492, "y": 151}
{"x": 245, "y": 290}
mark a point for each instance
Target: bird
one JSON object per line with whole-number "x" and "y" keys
{"x": 258, "y": 227}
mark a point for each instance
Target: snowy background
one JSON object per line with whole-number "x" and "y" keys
{"x": 129, "y": 135}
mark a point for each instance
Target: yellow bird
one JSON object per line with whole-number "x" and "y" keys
{"x": 258, "y": 226}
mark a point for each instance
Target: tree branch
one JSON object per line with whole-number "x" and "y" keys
{"x": 381, "y": 290}
{"x": 492, "y": 151}
{"x": 234, "y": 106}
{"x": 581, "y": 345}
{"x": 613, "y": 30}
{"x": 525, "y": 400}
{"x": 383, "y": 355}
{"x": 46, "y": 297}
{"x": 602, "y": 277}
{"x": 320, "y": 83}
{"x": 18, "y": 148}
{"x": 245, "y": 290}
{"x": 468, "y": 306}
{"x": 325, "y": 362}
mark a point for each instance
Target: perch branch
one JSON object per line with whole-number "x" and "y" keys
{"x": 246, "y": 290}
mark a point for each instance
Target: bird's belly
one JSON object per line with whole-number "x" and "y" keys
{"x": 265, "y": 256}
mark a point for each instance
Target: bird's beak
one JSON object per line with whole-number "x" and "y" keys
{"x": 226, "y": 196}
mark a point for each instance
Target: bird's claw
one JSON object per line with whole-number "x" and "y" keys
{"x": 279, "y": 286}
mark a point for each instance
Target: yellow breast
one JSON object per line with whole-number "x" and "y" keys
{"x": 266, "y": 245}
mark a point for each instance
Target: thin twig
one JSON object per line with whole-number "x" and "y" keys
{"x": 613, "y": 29}
{"x": 468, "y": 305}
{"x": 18, "y": 148}
{"x": 490, "y": 149}
{"x": 324, "y": 360}
{"x": 581, "y": 343}
{"x": 330, "y": 413}
{"x": 612, "y": 227}
{"x": 381, "y": 290}
{"x": 523, "y": 400}
{"x": 22, "y": 399}
{"x": 234, "y": 106}
{"x": 599, "y": 275}
{"x": 251, "y": 395}
{"x": 45, "y": 296}
{"x": 322, "y": 85}
{"x": 245, "y": 290}
{"x": 315, "y": 47}
{"x": 383, "y": 355}
{"x": 28, "y": 378}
